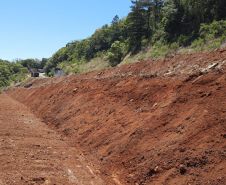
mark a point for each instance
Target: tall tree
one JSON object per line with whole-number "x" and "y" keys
{"x": 115, "y": 29}
{"x": 115, "y": 20}
{"x": 172, "y": 17}
{"x": 157, "y": 5}
{"x": 148, "y": 5}
{"x": 135, "y": 24}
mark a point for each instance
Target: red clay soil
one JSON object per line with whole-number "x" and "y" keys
{"x": 152, "y": 122}
{"x": 32, "y": 153}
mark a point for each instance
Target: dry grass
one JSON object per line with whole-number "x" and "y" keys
{"x": 94, "y": 64}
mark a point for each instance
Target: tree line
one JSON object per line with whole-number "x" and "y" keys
{"x": 9, "y": 72}
{"x": 161, "y": 24}
{"x": 14, "y": 72}
{"x": 171, "y": 21}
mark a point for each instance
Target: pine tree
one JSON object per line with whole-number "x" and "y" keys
{"x": 115, "y": 20}
{"x": 136, "y": 24}
{"x": 157, "y": 5}
{"x": 115, "y": 29}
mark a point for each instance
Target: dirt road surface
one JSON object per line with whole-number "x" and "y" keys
{"x": 32, "y": 153}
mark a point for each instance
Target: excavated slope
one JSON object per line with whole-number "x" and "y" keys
{"x": 152, "y": 122}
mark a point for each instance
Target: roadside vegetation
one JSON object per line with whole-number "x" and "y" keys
{"x": 15, "y": 72}
{"x": 10, "y": 73}
{"x": 153, "y": 29}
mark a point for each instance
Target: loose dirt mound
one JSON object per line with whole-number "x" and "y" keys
{"x": 152, "y": 122}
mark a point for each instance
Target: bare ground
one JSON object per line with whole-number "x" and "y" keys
{"x": 152, "y": 122}
{"x": 32, "y": 153}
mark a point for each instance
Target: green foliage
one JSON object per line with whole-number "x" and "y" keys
{"x": 198, "y": 43}
{"x": 215, "y": 45}
{"x": 185, "y": 17}
{"x": 165, "y": 51}
{"x": 68, "y": 70}
{"x": 33, "y": 63}
{"x": 216, "y": 29}
{"x": 174, "y": 46}
{"x": 223, "y": 38}
{"x": 4, "y": 75}
{"x": 141, "y": 57}
{"x": 184, "y": 40}
{"x": 115, "y": 54}
{"x": 164, "y": 24}
{"x": 30, "y": 62}
{"x": 160, "y": 50}
{"x": 51, "y": 72}
{"x": 76, "y": 70}
{"x": 144, "y": 44}
{"x": 209, "y": 37}
{"x": 43, "y": 63}
{"x": 135, "y": 28}
{"x": 157, "y": 35}
{"x": 185, "y": 51}
{"x": 49, "y": 66}
{"x": 212, "y": 35}
{"x": 199, "y": 48}
{"x": 156, "y": 49}
{"x": 10, "y": 73}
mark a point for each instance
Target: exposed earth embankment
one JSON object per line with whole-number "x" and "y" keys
{"x": 152, "y": 122}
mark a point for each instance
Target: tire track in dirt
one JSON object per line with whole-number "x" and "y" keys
{"x": 32, "y": 153}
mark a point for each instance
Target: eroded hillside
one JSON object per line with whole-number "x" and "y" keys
{"x": 152, "y": 122}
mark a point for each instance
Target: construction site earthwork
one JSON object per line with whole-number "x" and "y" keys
{"x": 152, "y": 122}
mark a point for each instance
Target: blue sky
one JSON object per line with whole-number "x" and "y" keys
{"x": 38, "y": 28}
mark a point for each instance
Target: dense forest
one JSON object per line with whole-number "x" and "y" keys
{"x": 163, "y": 25}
